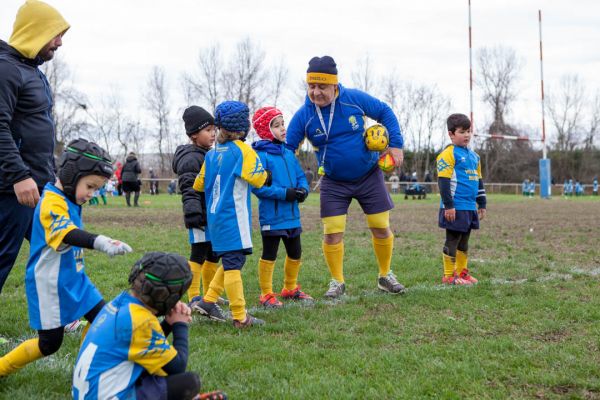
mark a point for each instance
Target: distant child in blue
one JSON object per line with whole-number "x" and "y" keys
{"x": 525, "y": 187}
{"x": 279, "y": 214}
{"x": 226, "y": 176}
{"x": 532, "y": 188}
{"x": 126, "y": 354}
{"x": 578, "y": 189}
{"x": 102, "y": 193}
{"x": 58, "y": 289}
{"x": 569, "y": 188}
{"x": 595, "y": 187}
{"x": 463, "y": 199}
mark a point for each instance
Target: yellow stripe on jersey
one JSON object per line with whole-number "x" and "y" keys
{"x": 149, "y": 346}
{"x": 55, "y": 219}
{"x": 199, "y": 181}
{"x": 445, "y": 162}
{"x": 479, "y": 169}
{"x": 252, "y": 169}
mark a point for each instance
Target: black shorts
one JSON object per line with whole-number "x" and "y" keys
{"x": 131, "y": 187}
{"x": 464, "y": 222}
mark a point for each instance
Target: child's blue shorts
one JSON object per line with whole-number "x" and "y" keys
{"x": 464, "y": 222}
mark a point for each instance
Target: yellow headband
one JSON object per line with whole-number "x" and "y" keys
{"x": 321, "y": 78}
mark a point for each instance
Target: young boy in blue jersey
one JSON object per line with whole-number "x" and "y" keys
{"x": 595, "y": 187}
{"x": 187, "y": 162}
{"x": 463, "y": 199}
{"x": 126, "y": 354}
{"x": 58, "y": 289}
{"x": 226, "y": 176}
{"x": 278, "y": 210}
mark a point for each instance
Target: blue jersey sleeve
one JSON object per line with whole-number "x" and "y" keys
{"x": 296, "y": 131}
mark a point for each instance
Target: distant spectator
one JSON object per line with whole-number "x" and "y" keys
{"x": 427, "y": 176}
{"x": 394, "y": 182}
{"x": 131, "y": 183}
{"x": 118, "y": 172}
{"x": 595, "y": 187}
{"x": 172, "y": 188}
{"x": 153, "y": 182}
{"x": 578, "y": 189}
{"x": 413, "y": 177}
{"x": 532, "y": 188}
{"x": 310, "y": 176}
{"x": 110, "y": 187}
{"x": 525, "y": 187}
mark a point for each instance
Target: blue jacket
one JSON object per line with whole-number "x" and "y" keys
{"x": 343, "y": 154}
{"x": 26, "y": 123}
{"x": 274, "y": 212}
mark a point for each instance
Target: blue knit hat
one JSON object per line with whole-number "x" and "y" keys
{"x": 322, "y": 70}
{"x": 233, "y": 116}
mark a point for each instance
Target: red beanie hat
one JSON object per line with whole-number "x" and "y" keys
{"x": 261, "y": 121}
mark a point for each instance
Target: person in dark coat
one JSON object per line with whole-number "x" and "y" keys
{"x": 129, "y": 176}
{"x": 27, "y": 130}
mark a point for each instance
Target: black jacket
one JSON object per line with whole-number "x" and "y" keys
{"x": 187, "y": 162}
{"x": 131, "y": 170}
{"x": 26, "y": 124}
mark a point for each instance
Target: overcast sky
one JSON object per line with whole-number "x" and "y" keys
{"x": 116, "y": 43}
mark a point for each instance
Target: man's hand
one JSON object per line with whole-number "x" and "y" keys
{"x": 482, "y": 213}
{"x": 180, "y": 313}
{"x": 27, "y": 192}
{"x": 397, "y": 154}
{"x": 450, "y": 214}
{"x": 301, "y": 194}
{"x": 110, "y": 246}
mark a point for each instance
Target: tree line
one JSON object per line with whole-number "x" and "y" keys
{"x": 245, "y": 74}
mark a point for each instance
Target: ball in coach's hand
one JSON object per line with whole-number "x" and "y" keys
{"x": 386, "y": 163}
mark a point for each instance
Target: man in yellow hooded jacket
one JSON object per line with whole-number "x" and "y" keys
{"x": 26, "y": 124}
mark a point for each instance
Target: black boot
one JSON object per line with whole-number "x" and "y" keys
{"x": 127, "y": 197}
{"x": 135, "y": 199}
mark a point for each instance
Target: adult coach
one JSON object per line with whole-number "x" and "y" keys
{"x": 26, "y": 124}
{"x": 333, "y": 119}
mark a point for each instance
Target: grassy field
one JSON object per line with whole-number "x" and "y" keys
{"x": 529, "y": 329}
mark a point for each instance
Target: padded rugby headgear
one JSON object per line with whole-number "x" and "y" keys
{"x": 82, "y": 158}
{"x": 160, "y": 280}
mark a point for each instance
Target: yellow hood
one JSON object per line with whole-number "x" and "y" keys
{"x": 36, "y": 24}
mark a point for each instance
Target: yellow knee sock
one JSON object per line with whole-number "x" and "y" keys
{"x": 235, "y": 292}
{"x": 194, "y": 289}
{"x": 383, "y": 252}
{"x": 217, "y": 285}
{"x": 334, "y": 257}
{"x": 449, "y": 265}
{"x": 209, "y": 269}
{"x": 23, "y": 354}
{"x": 461, "y": 261}
{"x": 265, "y": 276}
{"x": 291, "y": 268}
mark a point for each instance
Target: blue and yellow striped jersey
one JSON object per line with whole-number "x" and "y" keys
{"x": 463, "y": 167}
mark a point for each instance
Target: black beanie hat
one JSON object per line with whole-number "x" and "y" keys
{"x": 195, "y": 119}
{"x": 322, "y": 70}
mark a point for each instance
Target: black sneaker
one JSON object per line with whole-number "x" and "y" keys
{"x": 336, "y": 289}
{"x": 390, "y": 284}
{"x": 210, "y": 310}
{"x": 250, "y": 321}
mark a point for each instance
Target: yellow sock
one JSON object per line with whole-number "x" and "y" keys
{"x": 291, "y": 268}
{"x": 461, "y": 261}
{"x": 265, "y": 276}
{"x": 194, "y": 289}
{"x": 217, "y": 285}
{"x": 383, "y": 252}
{"x": 23, "y": 354}
{"x": 209, "y": 269}
{"x": 449, "y": 265}
{"x": 235, "y": 292}
{"x": 334, "y": 258}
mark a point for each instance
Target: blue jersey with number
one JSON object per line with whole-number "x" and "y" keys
{"x": 58, "y": 289}
{"x": 463, "y": 168}
{"x": 228, "y": 171}
{"x": 124, "y": 340}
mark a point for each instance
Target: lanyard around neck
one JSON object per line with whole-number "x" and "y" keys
{"x": 331, "y": 112}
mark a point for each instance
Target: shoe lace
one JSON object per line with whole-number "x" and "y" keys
{"x": 391, "y": 277}
{"x": 334, "y": 284}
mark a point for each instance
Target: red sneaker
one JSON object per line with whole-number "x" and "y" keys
{"x": 464, "y": 275}
{"x": 270, "y": 301}
{"x": 454, "y": 280}
{"x": 295, "y": 294}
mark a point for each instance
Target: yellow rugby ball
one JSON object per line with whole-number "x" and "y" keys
{"x": 376, "y": 138}
{"x": 386, "y": 163}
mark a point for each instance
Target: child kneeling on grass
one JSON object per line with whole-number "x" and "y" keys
{"x": 279, "y": 214}
{"x": 461, "y": 189}
{"x": 126, "y": 354}
{"x": 226, "y": 175}
{"x": 58, "y": 289}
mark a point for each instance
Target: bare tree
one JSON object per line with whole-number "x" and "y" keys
{"x": 205, "y": 83}
{"x": 594, "y": 122}
{"x": 68, "y": 103}
{"x": 363, "y": 77}
{"x": 156, "y": 100}
{"x": 279, "y": 77}
{"x": 245, "y": 75}
{"x": 566, "y": 108}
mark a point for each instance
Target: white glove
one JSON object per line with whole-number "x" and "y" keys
{"x": 110, "y": 246}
